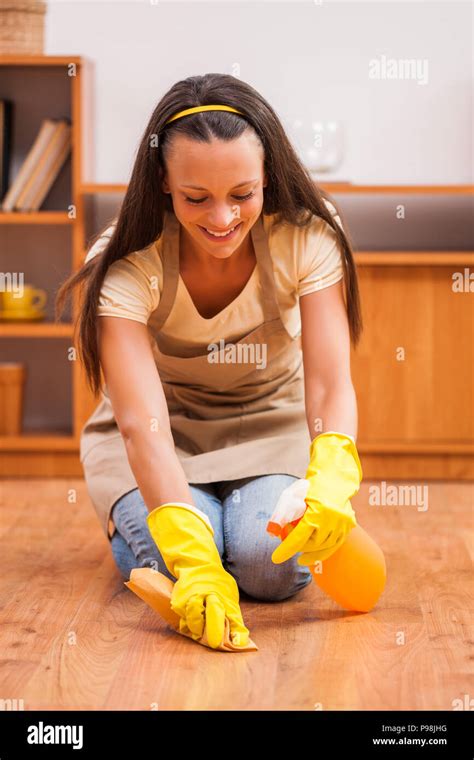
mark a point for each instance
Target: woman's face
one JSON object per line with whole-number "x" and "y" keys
{"x": 216, "y": 186}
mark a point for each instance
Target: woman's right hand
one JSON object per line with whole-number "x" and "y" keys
{"x": 204, "y": 594}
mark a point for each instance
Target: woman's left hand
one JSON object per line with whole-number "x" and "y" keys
{"x": 334, "y": 476}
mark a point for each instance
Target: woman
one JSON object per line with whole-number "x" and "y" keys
{"x": 223, "y": 270}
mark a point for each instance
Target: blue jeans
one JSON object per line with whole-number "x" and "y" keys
{"x": 238, "y": 511}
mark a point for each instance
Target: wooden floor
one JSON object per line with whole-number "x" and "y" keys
{"x": 74, "y": 637}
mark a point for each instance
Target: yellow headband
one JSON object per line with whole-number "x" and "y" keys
{"x": 197, "y": 109}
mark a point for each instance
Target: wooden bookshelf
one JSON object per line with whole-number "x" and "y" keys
{"x": 39, "y": 330}
{"x": 415, "y": 420}
{"x": 51, "y": 451}
{"x": 35, "y": 217}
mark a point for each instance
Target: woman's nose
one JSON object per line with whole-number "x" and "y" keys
{"x": 223, "y": 219}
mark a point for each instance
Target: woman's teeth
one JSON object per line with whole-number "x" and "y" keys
{"x": 221, "y": 234}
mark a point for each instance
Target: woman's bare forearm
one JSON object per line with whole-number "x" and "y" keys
{"x": 332, "y": 409}
{"x": 156, "y": 467}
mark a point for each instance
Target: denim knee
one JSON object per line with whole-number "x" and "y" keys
{"x": 260, "y": 578}
{"x": 132, "y": 543}
{"x": 123, "y": 555}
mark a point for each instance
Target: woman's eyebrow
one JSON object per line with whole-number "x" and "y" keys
{"x": 247, "y": 182}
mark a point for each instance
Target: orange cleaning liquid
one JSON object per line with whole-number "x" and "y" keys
{"x": 354, "y": 576}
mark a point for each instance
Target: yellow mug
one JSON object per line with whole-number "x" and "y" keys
{"x": 29, "y": 300}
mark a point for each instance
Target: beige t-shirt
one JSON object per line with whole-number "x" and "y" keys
{"x": 304, "y": 259}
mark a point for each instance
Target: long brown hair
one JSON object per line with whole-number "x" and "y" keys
{"x": 291, "y": 194}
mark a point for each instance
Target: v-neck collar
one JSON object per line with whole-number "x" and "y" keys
{"x": 234, "y": 301}
{"x": 230, "y": 305}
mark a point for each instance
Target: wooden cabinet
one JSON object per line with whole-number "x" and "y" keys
{"x": 413, "y": 369}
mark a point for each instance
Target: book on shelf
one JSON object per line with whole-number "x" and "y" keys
{"x": 6, "y": 114}
{"x": 40, "y": 167}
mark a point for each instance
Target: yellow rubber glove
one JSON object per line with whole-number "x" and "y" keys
{"x": 204, "y": 593}
{"x": 334, "y": 474}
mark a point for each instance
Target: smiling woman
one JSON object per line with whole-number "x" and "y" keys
{"x": 222, "y": 240}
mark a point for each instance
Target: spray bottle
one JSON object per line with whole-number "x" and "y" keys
{"x": 354, "y": 576}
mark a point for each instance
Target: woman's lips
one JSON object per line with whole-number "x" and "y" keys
{"x": 220, "y": 238}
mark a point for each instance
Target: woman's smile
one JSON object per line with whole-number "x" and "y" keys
{"x": 221, "y": 237}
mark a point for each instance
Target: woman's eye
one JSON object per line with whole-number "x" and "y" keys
{"x": 237, "y": 197}
{"x": 243, "y": 197}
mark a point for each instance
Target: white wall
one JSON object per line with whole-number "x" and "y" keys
{"x": 309, "y": 60}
